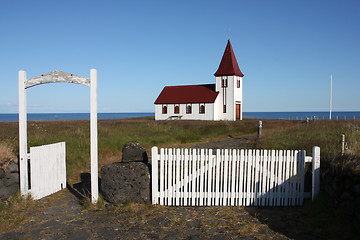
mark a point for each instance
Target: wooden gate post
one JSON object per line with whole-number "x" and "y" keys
{"x": 23, "y": 156}
{"x": 316, "y": 172}
{"x": 154, "y": 174}
{"x": 94, "y": 136}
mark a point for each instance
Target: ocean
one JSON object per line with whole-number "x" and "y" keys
{"x": 14, "y": 117}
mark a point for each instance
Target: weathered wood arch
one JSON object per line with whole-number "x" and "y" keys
{"x": 53, "y": 77}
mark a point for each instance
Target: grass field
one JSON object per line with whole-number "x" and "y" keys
{"x": 113, "y": 134}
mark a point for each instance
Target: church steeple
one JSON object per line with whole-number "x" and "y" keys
{"x": 228, "y": 65}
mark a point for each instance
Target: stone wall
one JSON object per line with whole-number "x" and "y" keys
{"x": 9, "y": 179}
{"x": 340, "y": 179}
{"x": 128, "y": 180}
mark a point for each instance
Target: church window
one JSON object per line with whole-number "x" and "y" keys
{"x": 176, "y": 109}
{"x": 238, "y": 83}
{"x": 224, "y": 82}
{"x": 188, "y": 108}
{"x": 164, "y": 109}
{"x": 224, "y": 109}
{"x": 202, "y": 108}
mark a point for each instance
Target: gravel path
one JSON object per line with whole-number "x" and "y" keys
{"x": 61, "y": 216}
{"x": 245, "y": 142}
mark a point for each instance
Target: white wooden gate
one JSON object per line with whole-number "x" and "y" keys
{"x": 194, "y": 177}
{"x": 47, "y": 169}
{"x": 53, "y": 77}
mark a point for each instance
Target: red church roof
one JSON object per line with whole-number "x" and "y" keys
{"x": 228, "y": 65}
{"x": 187, "y": 94}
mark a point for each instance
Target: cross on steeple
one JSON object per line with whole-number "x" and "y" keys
{"x": 229, "y": 33}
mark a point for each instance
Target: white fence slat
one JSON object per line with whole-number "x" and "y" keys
{"x": 182, "y": 176}
{"x": 263, "y": 178}
{"x": 271, "y": 188}
{"x": 193, "y": 178}
{"x": 225, "y": 177}
{"x": 236, "y": 177}
{"x": 287, "y": 177}
{"x": 209, "y": 178}
{"x": 177, "y": 178}
{"x": 162, "y": 175}
{"x": 302, "y": 175}
{"x": 280, "y": 179}
{"x": 241, "y": 177}
{"x": 201, "y": 178}
{"x": 248, "y": 177}
{"x": 315, "y": 171}
{"x": 217, "y": 177}
{"x": 256, "y": 182}
{"x": 295, "y": 179}
{"x": 169, "y": 177}
{"x": 186, "y": 173}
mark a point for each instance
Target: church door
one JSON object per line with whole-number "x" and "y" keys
{"x": 238, "y": 108}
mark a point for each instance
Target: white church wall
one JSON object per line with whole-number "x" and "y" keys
{"x": 238, "y": 94}
{"x": 229, "y": 98}
{"x": 194, "y": 115}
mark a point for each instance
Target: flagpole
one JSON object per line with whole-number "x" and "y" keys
{"x": 330, "y": 95}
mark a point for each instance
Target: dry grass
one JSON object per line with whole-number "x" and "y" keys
{"x": 322, "y": 133}
{"x": 7, "y": 154}
{"x": 15, "y": 213}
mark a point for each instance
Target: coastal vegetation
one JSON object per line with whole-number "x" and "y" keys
{"x": 113, "y": 134}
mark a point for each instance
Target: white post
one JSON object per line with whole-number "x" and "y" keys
{"x": 316, "y": 172}
{"x": 330, "y": 95}
{"x": 342, "y": 144}
{"x": 93, "y": 136}
{"x": 24, "y": 185}
{"x": 154, "y": 174}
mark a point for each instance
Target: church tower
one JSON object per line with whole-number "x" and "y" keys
{"x": 228, "y": 79}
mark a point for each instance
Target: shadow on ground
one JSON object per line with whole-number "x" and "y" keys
{"x": 82, "y": 190}
{"x": 314, "y": 220}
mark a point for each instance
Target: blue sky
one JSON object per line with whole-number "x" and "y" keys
{"x": 286, "y": 49}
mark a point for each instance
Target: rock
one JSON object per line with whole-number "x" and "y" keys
{"x": 11, "y": 179}
{"x": 348, "y": 183}
{"x": 1, "y": 183}
{"x": 134, "y": 152}
{"x": 109, "y": 206}
{"x": 345, "y": 196}
{"x": 2, "y": 173}
{"x": 6, "y": 192}
{"x": 337, "y": 185}
{"x": 356, "y": 190}
{"x": 124, "y": 182}
{"x": 13, "y": 167}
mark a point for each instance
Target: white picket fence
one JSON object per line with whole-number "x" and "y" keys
{"x": 238, "y": 177}
{"x": 47, "y": 169}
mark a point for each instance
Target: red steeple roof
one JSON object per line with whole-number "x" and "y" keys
{"x": 187, "y": 94}
{"x": 228, "y": 65}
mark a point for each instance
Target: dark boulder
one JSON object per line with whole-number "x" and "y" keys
{"x": 124, "y": 182}
{"x": 13, "y": 168}
{"x": 134, "y": 152}
{"x": 2, "y": 173}
{"x": 6, "y": 192}
{"x": 11, "y": 179}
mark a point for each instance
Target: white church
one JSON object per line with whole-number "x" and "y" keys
{"x": 219, "y": 101}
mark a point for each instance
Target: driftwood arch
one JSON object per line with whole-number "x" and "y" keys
{"x": 53, "y": 77}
